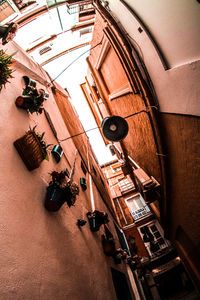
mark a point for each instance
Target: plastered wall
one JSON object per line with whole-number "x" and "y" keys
{"x": 177, "y": 89}
{"x": 44, "y": 255}
{"x": 174, "y": 26}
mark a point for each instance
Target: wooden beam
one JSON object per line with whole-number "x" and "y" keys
{"x": 64, "y": 52}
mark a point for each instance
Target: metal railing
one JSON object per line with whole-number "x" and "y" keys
{"x": 79, "y": 7}
{"x": 126, "y": 187}
{"x": 3, "y": 5}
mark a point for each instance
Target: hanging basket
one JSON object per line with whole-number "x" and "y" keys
{"x": 96, "y": 219}
{"x": 30, "y": 150}
{"x": 54, "y": 198}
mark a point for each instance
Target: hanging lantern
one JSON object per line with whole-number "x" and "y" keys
{"x": 114, "y": 128}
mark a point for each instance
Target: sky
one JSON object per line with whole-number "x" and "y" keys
{"x": 71, "y": 79}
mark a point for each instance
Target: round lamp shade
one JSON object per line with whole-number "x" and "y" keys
{"x": 114, "y": 128}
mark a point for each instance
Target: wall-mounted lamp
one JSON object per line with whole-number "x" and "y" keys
{"x": 114, "y": 128}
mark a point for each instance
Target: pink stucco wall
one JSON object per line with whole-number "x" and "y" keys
{"x": 44, "y": 255}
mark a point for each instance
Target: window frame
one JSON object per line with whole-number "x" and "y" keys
{"x": 149, "y": 213}
{"x": 124, "y": 89}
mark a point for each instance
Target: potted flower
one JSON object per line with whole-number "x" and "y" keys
{"x": 32, "y": 149}
{"x": 8, "y": 32}
{"x": 59, "y": 191}
{"x": 31, "y": 100}
{"x": 96, "y": 219}
{"x": 6, "y": 71}
{"x": 120, "y": 254}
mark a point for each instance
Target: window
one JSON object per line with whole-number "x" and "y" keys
{"x": 85, "y": 30}
{"x": 85, "y": 7}
{"x": 44, "y": 50}
{"x": 125, "y": 185}
{"x": 122, "y": 239}
{"x": 116, "y": 169}
{"x": 154, "y": 241}
{"x": 108, "y": 63}
{"x": 137, "y": 207}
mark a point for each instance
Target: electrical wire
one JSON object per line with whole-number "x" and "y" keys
{"x": 75, "y": 61}
{"x": 79, "y": 133}
{"x": 139, "y": 112}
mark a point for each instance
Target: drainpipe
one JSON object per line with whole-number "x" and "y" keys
{"x": 91, "y": 193}
{"x": 90, "y": 181}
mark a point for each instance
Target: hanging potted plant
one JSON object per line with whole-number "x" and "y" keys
{"x": 32, "y": 149}
{"x": 108, "y": 242}
{"x": 61, "y": 189}
{"x": 5, "y": 70}
{"x": 8, "y": 32}
{"x": 31, "y": 100}
{"x": 119, "y": 255}
{"x": 55, "y": 197}
{"x": 96, "y": 219}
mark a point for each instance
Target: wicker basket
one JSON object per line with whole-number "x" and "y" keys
{"x": 30, "y": 150}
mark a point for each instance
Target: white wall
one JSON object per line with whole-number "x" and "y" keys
{"x": 175, "y": 25}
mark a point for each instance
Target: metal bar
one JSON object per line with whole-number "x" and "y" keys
{"x": 57, "y": 9}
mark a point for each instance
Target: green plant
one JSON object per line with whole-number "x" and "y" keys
{"x": 42, "y": 142}
{"x": 70, "y": 189}
{"x": 8, "y": 32}
{"x": 5, "y": 70}
{"x": 34, "y": 101}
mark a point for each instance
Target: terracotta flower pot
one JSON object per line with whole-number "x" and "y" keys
{"x": 23, "y": 102}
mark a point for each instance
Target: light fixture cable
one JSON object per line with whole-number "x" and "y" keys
{"x": 139, "y": 112}
{"x": 77, "y": 58}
